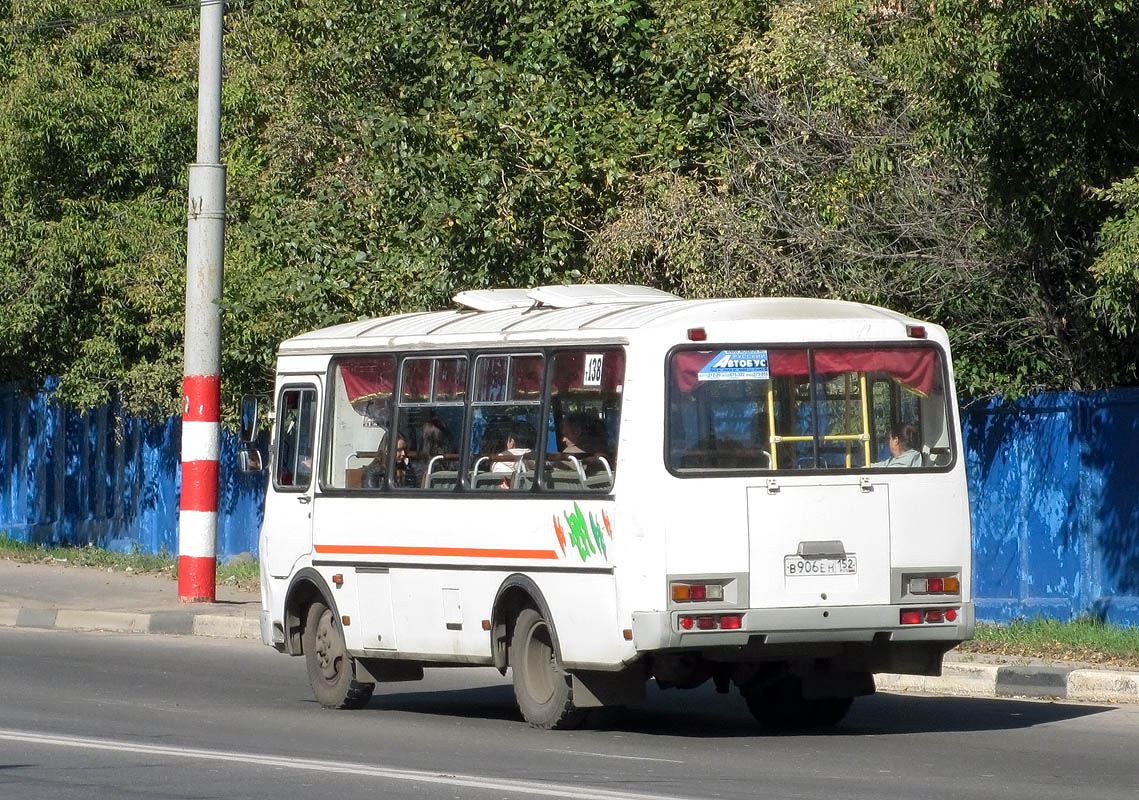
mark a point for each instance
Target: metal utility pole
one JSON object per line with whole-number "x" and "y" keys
{"x": 205, "y": 246}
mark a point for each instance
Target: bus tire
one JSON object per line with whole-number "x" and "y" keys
{"x": 543, "y": 689}
{"x": 782, "y": 707}
{"x": 331, "y": 671}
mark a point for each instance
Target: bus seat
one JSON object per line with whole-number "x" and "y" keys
{"x": 439, "y": 478}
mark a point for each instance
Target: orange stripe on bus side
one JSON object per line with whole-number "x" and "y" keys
{"x": 456, "y": 552}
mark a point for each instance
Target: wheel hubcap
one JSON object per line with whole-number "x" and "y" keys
{"x": 329, "y": 648}
{"x": 541, "y": 670}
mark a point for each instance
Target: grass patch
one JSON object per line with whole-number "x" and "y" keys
{"x": 1087, "y": 640}
{"x": 243, "y": 574}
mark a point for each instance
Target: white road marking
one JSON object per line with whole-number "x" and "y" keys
{"x": 612, "y": 755}
{"x": 532, "y": 788}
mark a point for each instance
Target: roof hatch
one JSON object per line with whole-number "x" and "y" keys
{"x": 561, "y": 296}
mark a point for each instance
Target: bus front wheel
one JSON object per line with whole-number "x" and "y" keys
{"x": 544, "y": 690}
{"x": 331, "y": 671}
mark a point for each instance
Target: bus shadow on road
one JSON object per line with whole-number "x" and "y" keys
{"x": 886, "y": 713}
{"x": 702, "y": 713}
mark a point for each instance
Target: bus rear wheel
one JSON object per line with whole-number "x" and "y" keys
{"x": 544, "y": 690}
{"x": 782, "y": 707}
{"x": 331, "y": 671}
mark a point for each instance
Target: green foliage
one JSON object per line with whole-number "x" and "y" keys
{"x": 934, "y": 158}
{"x": 939, "y": 157}
{"x": 1117, "y": 267}
{"x": 403, "y": 151}
{"x": 92, "y": 148}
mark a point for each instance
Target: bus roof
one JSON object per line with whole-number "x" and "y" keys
{"x": 569, "y": 313}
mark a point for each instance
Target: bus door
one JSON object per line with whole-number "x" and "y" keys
{"x": 288, "y": 505}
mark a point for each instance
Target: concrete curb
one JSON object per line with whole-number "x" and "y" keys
{"x": 176, "y": 623}
{"x": 1006, "y": 680}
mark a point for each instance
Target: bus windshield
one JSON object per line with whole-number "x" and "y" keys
{"x": 815, "y": 408}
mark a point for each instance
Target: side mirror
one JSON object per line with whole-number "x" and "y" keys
{"x": 249, "y": 418}
{"x": 249, "y": 459}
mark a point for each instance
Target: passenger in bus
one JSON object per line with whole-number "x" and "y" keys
{"x": 373, "y": 477}
{"x": 571, "y": 433}
{"x": 434, "y": 440}
{"x": 404, "y": 476}
{"x": 903, "y": 447}
{"x": 583, "y": 433}
{"x": 519, "y": 442}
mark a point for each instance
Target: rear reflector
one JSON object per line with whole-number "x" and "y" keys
{"x": 911, "y": 618}
{"x": 731, "y": 623}
{"x": 706, "y": 623}
{"x": 933, "y": 615}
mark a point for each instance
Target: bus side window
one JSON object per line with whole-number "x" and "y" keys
{"x": 360, "y": 431}
{"x": 295, "y": 437}
{"x": 432, "y": 402}
{"x": 505, "y": 420}
{"x": 585, "y": 407}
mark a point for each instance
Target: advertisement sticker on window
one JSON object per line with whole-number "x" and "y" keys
{"x": 736, "y": 365}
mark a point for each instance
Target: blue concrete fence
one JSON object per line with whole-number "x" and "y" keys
{"x": 1053, "y": 485}
{"x": 110, "y": 480}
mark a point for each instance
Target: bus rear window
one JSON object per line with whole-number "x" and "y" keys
{"x": 756, "y": 408}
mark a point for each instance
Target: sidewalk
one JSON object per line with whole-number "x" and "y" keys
{"x": 87, "y": 599}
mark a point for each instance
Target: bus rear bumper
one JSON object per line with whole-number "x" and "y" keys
{"x": 661, "y": 630}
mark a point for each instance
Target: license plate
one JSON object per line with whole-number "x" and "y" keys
{"x": 794, "y": 566}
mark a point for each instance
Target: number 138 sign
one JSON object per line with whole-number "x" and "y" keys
{"x": 593, "y": 364}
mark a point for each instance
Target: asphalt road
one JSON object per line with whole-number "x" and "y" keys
{"x": 86, "y": 716}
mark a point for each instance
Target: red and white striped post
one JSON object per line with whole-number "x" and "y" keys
{"x": 205, "y": 248}
{"x": 198, "y": 518}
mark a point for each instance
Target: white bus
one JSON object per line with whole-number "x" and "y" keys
{"x": 593, "y": 486}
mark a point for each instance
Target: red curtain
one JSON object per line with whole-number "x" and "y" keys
{"x": 450, "y": 380}
{"x": 416, "y": 381}
{"x": 367, "y": 378}
{"x": 569, "y": 370}
{"x": 915, "y": 367}
{"x": 526, "y": 372}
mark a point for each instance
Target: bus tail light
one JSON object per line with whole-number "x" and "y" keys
{"x": 916, "y": 616}
{"x": 707, "y": 622}
{"x": 696, "y": 592}
{"x": 934, "y": 584}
